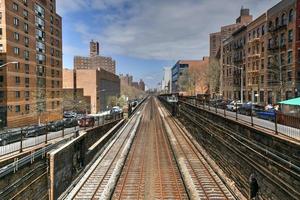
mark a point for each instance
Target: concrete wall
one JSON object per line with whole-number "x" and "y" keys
{"x": 67, "y": 162}
{"x": 241, "y": 150}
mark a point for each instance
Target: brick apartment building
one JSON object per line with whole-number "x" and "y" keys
{"x": 270, "y": 58}
{"x": 197, "y": 68}
{"x": 216, "y": 39}
{"x": 95, "y": 61}
{"x": 30, "y": 34}
{"x": 126, "y": 79}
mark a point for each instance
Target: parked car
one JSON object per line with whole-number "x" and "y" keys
{"x": 267, "y": 114}
{"x": 234, "y": 106}
{"x": 56, "y": 126}
{"x": 86, "y": 121}
{"x": 10, "y": 136}
{"x": 35, "y": 130}
{"x": 70, "y": 122}
{"x": 249, "y": 107}
{"x": 69, "y": 114}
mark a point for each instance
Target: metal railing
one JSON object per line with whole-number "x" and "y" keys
{"x": 23, "y": 140}
{"x": 277, "y": 124}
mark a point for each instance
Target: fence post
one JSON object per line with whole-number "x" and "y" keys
{"x": 236, "y": 113}
{"x": 63, "y": 130}
{"x": 224, "y": 112}
{"x": 46, "y": 133}
{"x": 276, "y": 125}
{"x": 251, "y": 113}
{"x": 98, "y": 121}
{"x": 216, "y": 108}
{"x": 21, "y": 144}
{"x": 208, "y": 105}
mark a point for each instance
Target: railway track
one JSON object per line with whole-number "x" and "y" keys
{"x": 96, "y": 179}
{"x": 150, "y": 171}
{"x": 201, "y": 180}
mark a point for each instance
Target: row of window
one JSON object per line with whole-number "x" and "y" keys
{"x": 39, "y": 11}
{"x": 54, "y": 104}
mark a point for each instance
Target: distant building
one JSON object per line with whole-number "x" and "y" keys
{"x": 100, "y": 85}
{"x": 95, "y": 61}
{"x": 197, "y": 70}
{"x": 68, "y": 78}
{"x": 126, "y": 79}
{"x": 142, "y": 85}
{"x": 166, "y": 84}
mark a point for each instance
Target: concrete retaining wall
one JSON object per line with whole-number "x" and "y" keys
{"x": 67, "y": 162}
{"x": 242, "y": 150}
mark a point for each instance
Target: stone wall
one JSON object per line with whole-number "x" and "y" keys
{"x": 242, "y": 150}
{"x": 69, "y": 161}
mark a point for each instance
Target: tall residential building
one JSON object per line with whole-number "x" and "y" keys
{"x": 272, "y": 71}
{"x": 30, "y": 34}
{"x": 166, "y": 85}
{"x": 95, "y": 61}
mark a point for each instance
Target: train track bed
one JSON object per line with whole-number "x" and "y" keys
{"x": 94, "y": 182}
{"x": 150, "y": 171}
{"x": 201, "y": 180}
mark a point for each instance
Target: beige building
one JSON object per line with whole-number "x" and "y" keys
{"x": 95, "y": 61}
{"x": 30, "y": 34}
{"x": 100, "y": 85}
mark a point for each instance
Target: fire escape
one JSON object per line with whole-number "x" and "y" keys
{"x": 276, "y": 69}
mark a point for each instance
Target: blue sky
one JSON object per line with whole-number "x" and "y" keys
{"x": 143, "y": 36}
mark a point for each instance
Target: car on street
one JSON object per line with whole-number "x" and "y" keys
{"x": 10, "y": 136}
{"x": 86, "y": 121}
{"x": 234, "y": 106}
{"x": 56, "y": 126}
{"x": 249, "y": 107}
{"x": 70, "y": 122}
{"x": 35, "y": 130}
{"x": 269, "y": 114}
{"x": 70, "y": 114}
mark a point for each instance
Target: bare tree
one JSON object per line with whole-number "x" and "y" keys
{"x": 73, "y": 102}
{"x": 214, "y": 73}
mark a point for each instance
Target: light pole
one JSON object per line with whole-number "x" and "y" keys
{"x": 13, "y": 62}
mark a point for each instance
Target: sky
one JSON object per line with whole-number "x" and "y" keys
{"x": 143, "y": 36}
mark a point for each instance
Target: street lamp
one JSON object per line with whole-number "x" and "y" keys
{"x": 13, "y": 62}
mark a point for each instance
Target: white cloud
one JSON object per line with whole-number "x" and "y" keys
{"x": 168, "y": 29}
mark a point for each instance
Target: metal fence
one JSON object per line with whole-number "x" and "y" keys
{"x": 279, "y": 124}
{"x": 26, "y": 142}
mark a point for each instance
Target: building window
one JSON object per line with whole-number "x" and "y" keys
{"x": 27, "y": 68}
{"x": 290, "y": 57}
{"x": 16, "y": 21}
{"x": 25, "y": 14}
{"x": 263, "y": 30}
{"x": 18, "y": 80}
{"x": 26, "y": 41}
{"x": 26, "y": 29}
{"x": 1, "y": 94}
{"x": 39, "y": 10}
{"x": 16, "y": 50}
{"x": 26, "y": 55}
{"x": 16, "y": 36}
{"x": 40, "y": 23}
{"x": 40, "y": 47}
{"x": 27, "y": 107}
{"x": 40, "y": 35}
{"x": 27, "y": 94}
{"x": 282, "y": 39}
{"x": 51, "y": 19}
{"x": 291, "y": 15}
{"x": 53, "y": 105}
{"x": 289, "y": 76}
{"x": 15, "y": 7}
{"x": 290, "y": 36}
{"x": 25, "y": 2}
{"x": 27, "y": 81}
{"x": 283, "y": 19}
{"x": 1, "y": 79}
{"x": 18, "y": 109}
{"x": 18, "y": 94}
